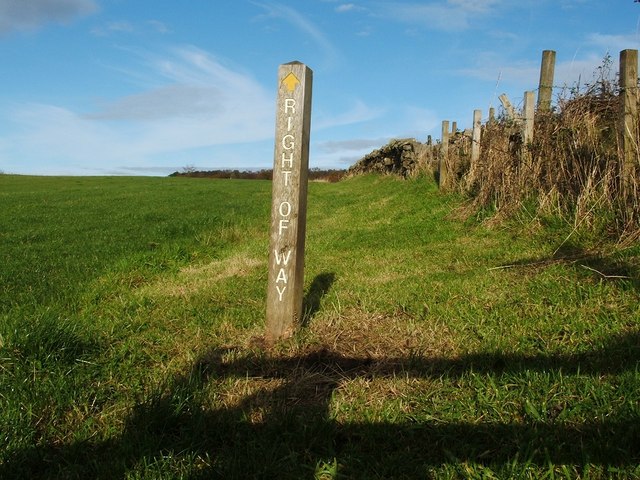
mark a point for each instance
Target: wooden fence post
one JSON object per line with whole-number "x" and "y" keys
{"x": 475, "y": 137}
{"x": 506, "y": 104}
{"x": 545, "y": 87}
{"x": 444, "y": 154}
{"x": 492, "y": 116}
{"x": 289, "y": 201}
{"x": 628, "y": 120}
{"x": 529, "y": 115}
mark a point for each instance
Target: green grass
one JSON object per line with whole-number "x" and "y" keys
{"x": 131, "y": 311}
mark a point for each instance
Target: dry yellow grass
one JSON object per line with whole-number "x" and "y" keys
{"x": 192, "y": 280}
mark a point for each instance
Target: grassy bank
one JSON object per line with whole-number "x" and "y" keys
{"x": 132, "y": 310}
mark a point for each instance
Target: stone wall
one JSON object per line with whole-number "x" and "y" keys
{"x": 403, "y": 157}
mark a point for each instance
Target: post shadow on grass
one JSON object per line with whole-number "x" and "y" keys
{"x": 283, "y": 426}
{"x": 436, "y": 176}
{"x": 319, "y": 287}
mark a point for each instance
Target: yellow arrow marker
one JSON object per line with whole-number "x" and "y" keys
{"x": 290, "y": 81}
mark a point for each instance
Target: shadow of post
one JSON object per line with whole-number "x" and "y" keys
{"x": 319, "y": 288}
{"x": 282, "y": 424}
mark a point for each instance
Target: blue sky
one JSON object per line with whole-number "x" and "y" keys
{"x": 148, "y": 87}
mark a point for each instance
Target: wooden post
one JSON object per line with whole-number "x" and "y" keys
{"x": 545, "y": 87}
{"x": 492, "y": 116}
{"x": 475, "y": 137}
{"x": 444, "y": 154}
{"x": 628, "y": 120}
{"x": 289, "y": 201}
{"x": 506, "y": 104}
{"x": 529, "y": 114}
{"x": 454, "y": 127}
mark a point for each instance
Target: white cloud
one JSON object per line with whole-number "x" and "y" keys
{"x": 357, "y": 144}
{"x": 349, "y": 7}
{"x": 192, "y": 108}
{"x": 113, "y": 27}
{"x": 295, "y": 18}
{"x": 583, "y": 70}
{"x": 345, "y": 7}
{"x": 614, "y": 43}
{"x": 474, "y": 6}
{"x": 123, "y": 26}
{"x": 193, "y": 84}
{"x": 408, "y": 122}
{"x": 418, "y": 121}
{"x": 31, "y": 14}
{"x": 159, "y": 26}
{"x": 515, "y": 77}
{"x": 491, "y": 68}
{"x": 202, "y": 104}
{"x": 164, "y": 102}
{"x": 357, "y": 113}
{"x": 450, "y": 15}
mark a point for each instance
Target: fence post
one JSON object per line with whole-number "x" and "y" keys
{"x": 475, "y": 137}
{"x": 444, "y": 154}
{"x": 545, "y": 87}
{"x": 289, "y": 201}
{"x": 506, "y": 104}
{"x": 628, "y": 120}
{"x": 454, "y": 128}
{"x": 492, "y": 116}
{"x": 529, "y": 115}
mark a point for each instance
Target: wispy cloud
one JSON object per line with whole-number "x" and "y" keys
{"x": 299, "y": 21}
{"x": 614, "y": 43}
{"x": 356, "y": 144}
{"x": 349, "y": 7}
{"x": 124, "y": 26}
{"x": 357, "y": 113}
{"x": 474, "y": 6}
{"x": 345, "y": 7}
{"x": 202, "y": 103}
{"x": 113, "y": 27}
{"x": 16, "y": 15}
{"x": 450, "y": 15}
{"x": 418, "y": 121}
{"x": 525, "y": 74}
{"x": 492, "y": 67}
{"x": 169, "y": 101}
{"x": 159, "y": 26}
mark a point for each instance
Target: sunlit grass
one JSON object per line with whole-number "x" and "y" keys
{"x": 133, "y": 309}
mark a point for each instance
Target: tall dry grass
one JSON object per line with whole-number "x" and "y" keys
{"x": 572, "y": 168}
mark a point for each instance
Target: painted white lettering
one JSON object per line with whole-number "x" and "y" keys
{"x": 282, "y": 258}
{"x": 282, "y": 276}
{"x": 280, "y": 292}
{"x": 290, "y": 104}
{"x": 289, "y": 124}
{"x": 284, "y": 209}
{"x": 289, "y": 161}
{"x": 283, "y": 226}
{"x": 288, "y": 142}
{"x": 286, "y": 173}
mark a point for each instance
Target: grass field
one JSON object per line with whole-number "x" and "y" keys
{"x": 434, "y": 346}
